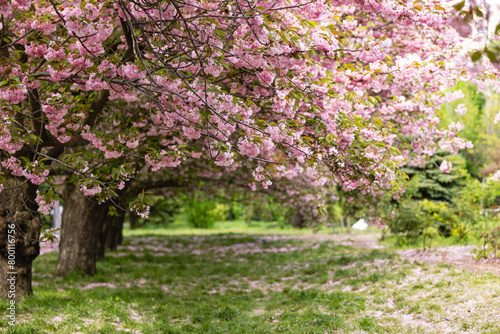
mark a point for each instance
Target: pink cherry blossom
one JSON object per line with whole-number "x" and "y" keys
{"x": 445, "y": 166}
{"x": 461, "y": 109}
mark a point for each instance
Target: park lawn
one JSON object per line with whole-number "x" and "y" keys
{"x": 213, "y": 281}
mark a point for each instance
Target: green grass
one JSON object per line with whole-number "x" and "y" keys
{"x": 266, "y": 280}
{"x": 181, "y": 227}
{"x": 392, "y": 241}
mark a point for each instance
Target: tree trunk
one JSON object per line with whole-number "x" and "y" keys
{"x": 81, "y": 228}
{"x": 133, "y": 220}
{"x": 297, "y": 220}
{"x": 18, "y": 213}
{"x": 119, "y": 238}
{"x": 111, "y": 233}
{"x": 101, "y": 238}
{"x": 230, "y": 213}
{"x": 114, "y": 236}
{"x": 348, "y": 225}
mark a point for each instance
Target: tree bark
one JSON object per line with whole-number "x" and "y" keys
{"x": 111, "y": 233}
{"x": 101, "y": 238}
{"x": 81, "y": 228}
{"x": 18, "y": 210}
{"x": 297, "y": 220}
{"x": 230, "y": 213}
{"x": 133, "y": 220}
{"x": 114, "y": 237}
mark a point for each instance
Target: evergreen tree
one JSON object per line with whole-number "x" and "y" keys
{"x": 430, "y": 183}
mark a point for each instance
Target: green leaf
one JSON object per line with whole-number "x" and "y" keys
{"x": 478, "y": 11}
{"x": 497, "y": 29}
{"x": 491, "y": 56}
{"x": 459, "y": 5}
{"x": 476, "y": 56}
{"x": 35, "y": 138}
{"x": 148, "y": 200}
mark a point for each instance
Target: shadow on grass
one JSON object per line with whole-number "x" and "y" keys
{"x": 236, "y": 283}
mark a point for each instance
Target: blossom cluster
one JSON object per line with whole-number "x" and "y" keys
{"x": 311, "y": 95}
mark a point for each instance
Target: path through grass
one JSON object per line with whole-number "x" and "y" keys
{"x": 251, "y": 283}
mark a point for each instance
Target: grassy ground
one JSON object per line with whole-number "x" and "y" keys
{"x": 257, "y": 280}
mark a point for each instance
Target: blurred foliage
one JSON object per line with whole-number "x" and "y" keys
{"x": 475, "y": 121}
{"x": 490, "y": 244}
{"x": 264, "y": 208}
{"x": 220, "y": 211}
{"x": 258, "y": 209}
{"x": 462, "y": 203}
{"x": 475, "y": 117}
{"x": 162, "y": 213}
{"x": 423, "y": 220}
{"x": 200, "y": 211}
{"x": 482, "y": 107}
{"x": 437, "y": 204}
{"x": 335, "y": 212}
{"x": 47, "y": 221}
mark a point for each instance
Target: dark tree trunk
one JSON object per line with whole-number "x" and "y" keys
{"x": 111, "y": 233}
{"x": 119, "y": 237}
{"x": 230, "y": 213}
{"x": 297, "y": 220}
{"x": 18, "y": 210}
{"x": 81, "y": 228}
{"x": 133, "y": 220}
{"x": 101, "y": 238}
{"x": 114, "y": 237}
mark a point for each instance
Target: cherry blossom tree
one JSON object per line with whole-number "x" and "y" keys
{"x": 325, "y": 92}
